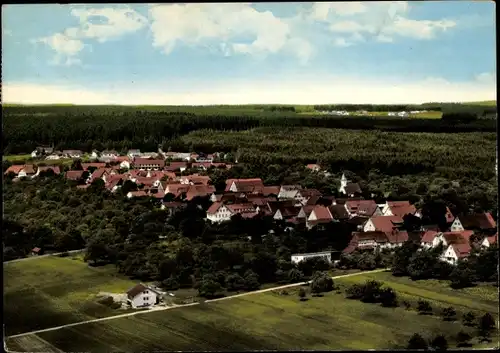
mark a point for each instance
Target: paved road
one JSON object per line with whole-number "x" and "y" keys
{"x": 40, "y": 256}
{"x": 162, "y": 308}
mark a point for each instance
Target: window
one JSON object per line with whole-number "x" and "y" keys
{"x": 145, "y": 299}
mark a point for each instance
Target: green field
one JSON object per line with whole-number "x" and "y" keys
{"x": 52, "y": 291}
{"x": 272, "y": 321}
{"x": 486, "y": 103}
{"x": 17, "y": 157}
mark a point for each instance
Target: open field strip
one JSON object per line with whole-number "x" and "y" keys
{"x": 42, "y": 256}
{"x": 170, "y": 307}
{"x": 264, "y": 319}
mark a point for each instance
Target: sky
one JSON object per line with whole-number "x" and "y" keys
{"x": 249, "y": 53}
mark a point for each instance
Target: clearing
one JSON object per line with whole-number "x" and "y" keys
{"x": 53, "y": 291}
{"x": 273, "y": 321}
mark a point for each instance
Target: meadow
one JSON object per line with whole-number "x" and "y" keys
{"x": 54, "y": 291}
{"x": 274, "y": 321}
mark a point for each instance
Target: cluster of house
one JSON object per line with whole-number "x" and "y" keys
{"x": 378, "y": 225}
{"x": 364, "y": 112}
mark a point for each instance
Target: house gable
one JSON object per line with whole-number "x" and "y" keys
{"x": 456, "y": 226}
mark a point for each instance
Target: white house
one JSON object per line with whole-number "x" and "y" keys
{"x": 289, "y": 191}
{"x": 219, "y": 213}
{"x": 456, "y": 226}
{"x": 94, "y": 154}
{"x": 488, "y": 241}
{"x": 326, "y": 255}
{"x": 134, "y": 153}
{"x": 455, "y": 252}
{"x": 142, "y": 296}
{"x": 125, "y": 165}
{"x": 109, "y": 154}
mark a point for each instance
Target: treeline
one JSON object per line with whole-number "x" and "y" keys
{"x": 358, "y": 151}
{"x": 82, "y": 128}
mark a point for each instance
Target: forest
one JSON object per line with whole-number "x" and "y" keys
{"x": 121, "y": 128}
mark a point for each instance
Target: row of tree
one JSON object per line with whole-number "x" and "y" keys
{"x": 86, "y": 129}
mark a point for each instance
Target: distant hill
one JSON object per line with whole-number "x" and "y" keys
{"x": 486, "y": 103}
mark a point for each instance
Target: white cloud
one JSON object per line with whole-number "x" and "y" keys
{"x": 231, "y": 25}
{"x": 116, "y": 22}
{"x": 383, "y": 21}
{"x": 486, "y": 78}
{"x": 341, "y": 42}
{"x": 288, "y": 91}
{"x": 321, "y": 11}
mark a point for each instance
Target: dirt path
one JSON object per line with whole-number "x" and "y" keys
{"x": 42, "y": 256}
{"x": 158, "y": 308}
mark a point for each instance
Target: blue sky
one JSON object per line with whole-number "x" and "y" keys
{"x": 373, "y": 52}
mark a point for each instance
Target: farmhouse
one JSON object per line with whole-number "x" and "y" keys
{"x": 55, "y": 169}
{"x": 398, "y": 208}
{"x": 288, "y": 191}
{"x": 142, "y": 296}
{"x": 376, "y": 240}
{"x": 148, "y": 164}
{"x": 15, "y": 169}
{"x": 384, "y": 224}
{"x": 489, "y": 241}
{"x": 366, "y": 208}
{"x": 219, "y": 212}
{"x": 26, "y": 171}
{"x": 325, "y": 255}
{"x": 245, "y": 185}
{"x": 72, "y": 153}
{"x": 478, "y": 221}
{"x": 319, "y": 214}
{"x": 313, "y": 167}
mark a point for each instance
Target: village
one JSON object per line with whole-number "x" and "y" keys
{"x": 161, "y": 176}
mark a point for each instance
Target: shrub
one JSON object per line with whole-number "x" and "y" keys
{"x": 295, "y": 276}
{"x": 321, "y": 282}
{"x": 463, "y": 339}
{"x": 424, "y": 307}
{"x": 107, "y": 301}
{"x": 486, "y": 325}
{"x": 439, "y": 343}
{"x": 417, "y": 342}
{"x": 302, "y": 294}
{"x": 354, "y": 292}
{"x": 371, "y": 292}
{"x": 468, "y": 319}
{"x": 388, "y": 297}
{"x": 449, "y": 314}
{"x": 406, "y": 304}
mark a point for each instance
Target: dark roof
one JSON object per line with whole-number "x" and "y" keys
{"x": 352, "y": 188}
{"x": 338, "y": 212}
{"x": 478, "y": 221}
{"x": 137, "y": 289}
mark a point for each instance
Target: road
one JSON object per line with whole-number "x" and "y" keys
{"x": 40, "y": 256}
{"x": 160, "y": 308}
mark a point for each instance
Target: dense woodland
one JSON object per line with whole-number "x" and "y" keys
{"x": 89, "y": 127}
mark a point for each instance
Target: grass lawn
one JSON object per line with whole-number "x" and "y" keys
{"x": 272, "y": 321}
{"x": 17, "y": 157}
{"x": 53, "y": 291}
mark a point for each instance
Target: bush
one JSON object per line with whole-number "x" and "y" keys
{"x": 463, "y": 339}
{"x": 354, "y": 292}
{"x": 449, "y": 314}
{"x": 234, "y": 282}
{"x": 295, "y": 276}
{"x": 321, "y": 282}
{"x": 107, "y": 301}
{"x": 170, "y": 284}
{"x": 302, "y": 294}
{"x": 468, "y": 319}
{"x": 424, "y": 307}
{"x": 388, "y": 297}
{"x": 417, "y": 342}
{"x": 371, "y": 292}
{"x": 406, "y": 304}
{"x": 486, "y": 325}
{"x": 439, "y": 343}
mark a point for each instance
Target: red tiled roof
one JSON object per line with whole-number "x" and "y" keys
{"x": 352, "y": 188}
{"x": 144, "y": 161}
{"x": 309, "y": 193}
{"x": 122, "y": 159}
{"x": 214, "y": 207}
{"x": 14, "y": 169}
{"x": 313, "y": 166}
{"x": 86, "y": 166}
{"x": 139, "y": 193}
{"x": 270, "y": 190}
{"x": 493, "y": 239}
{"x": 249, "y": 185}
{"x": 241, "y": 207}
{"x": 478, "y": 220}
{"x": 55, "y": 169}
{"x": 401, "y": 208}
{"x": 201, "y": 165}
{"x": 397, "y": 237}
{"x": 449, "y": 216}
{"x": 322, "y": 213}
{"x": 28, "y": 169}
{"x": 177, "y": 189}
{"x": 98, "y": 173}
{"x": 379, "y": 237}
{"x": 199, "y": 190}
{"x": 173, "y": 166}
{"x": 428, "y": 236}
{"x": 461, "y": 249}
{"x": 385, "y": 223}
{"x": 197, "y": 179}
{"x": 74, "y": 174}
{"x": 137, "y": 289}
{"x": 362, "y": 207}
{"x": 36, "y": 249}
{"x": 145, "y": 181}
{"x": 458, "y": 237}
